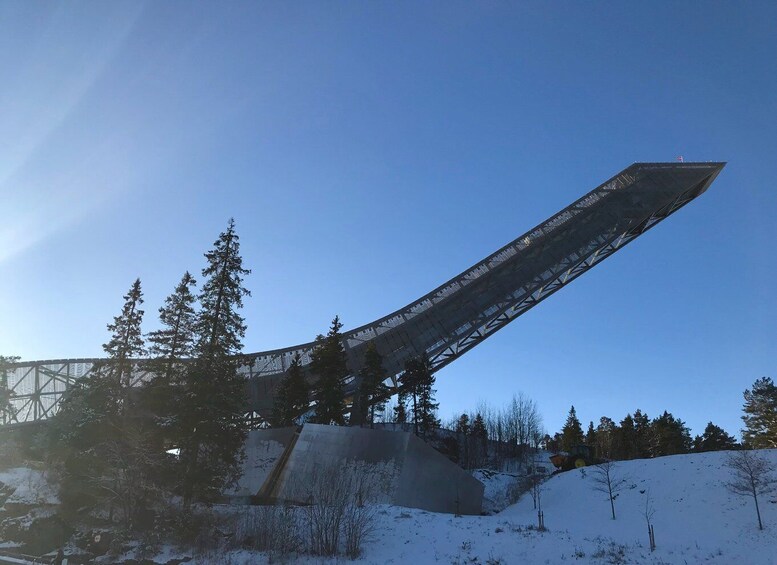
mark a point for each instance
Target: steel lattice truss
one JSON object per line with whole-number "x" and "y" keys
{"x": 455, "y": 317}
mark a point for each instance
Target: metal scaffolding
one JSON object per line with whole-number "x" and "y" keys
{"x": 455, "y": 317}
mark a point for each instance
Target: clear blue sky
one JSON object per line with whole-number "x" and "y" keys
{"x": 370, "y": 150}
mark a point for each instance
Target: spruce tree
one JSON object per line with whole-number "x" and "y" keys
{"x": 100, "y": 434}
{"x": 426, "y": 399}
{"x": 211, "y": 415}
{"x": 480, "y": 440}
{"x": 642, "y": 433}
{"x": 669, "y": 436}
{"x": 760, "y": 416}
{"x": 220, "y": 327}
{"x": 292, "y": 396}
{"x": 400, "y": 410}
{"x": 372, "y": 389}
{"x": 329, "y": 365}
{"x": 126, "y": 341}
{"x": 605, "y": 437}
{"x": 625, "y": 439}
{"x": 7, "y": 412}
{"x": 590, "y": 435}
{"x": 572, "y": 432}
{"x": 408, "y": 383}
{"x": 463, "y": 430}
{"x": 417, "y": 382}
{"x": 714, "y": 438}
{"x": 177, "y": 338}
{"x": 170, "y": 346}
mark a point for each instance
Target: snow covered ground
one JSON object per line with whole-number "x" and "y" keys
{"x": 27, "y": 486}
{"x": 696, "y": 520}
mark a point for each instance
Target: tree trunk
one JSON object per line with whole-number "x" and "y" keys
{"x": 612, "y": 503}
{"x": 757, "y": 511}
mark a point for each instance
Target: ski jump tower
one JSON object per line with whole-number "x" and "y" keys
{"x": 455, "y": 317}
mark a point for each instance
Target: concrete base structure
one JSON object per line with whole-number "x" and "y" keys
{"x": 410, "y": 472}
{"x": 264, "y": 450}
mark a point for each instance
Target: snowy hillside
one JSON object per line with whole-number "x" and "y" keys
{"x": 696, "y": 521}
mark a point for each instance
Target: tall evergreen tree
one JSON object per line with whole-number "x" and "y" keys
{"x": 292, "y": 397}
{"x": 714, "y": 438}
{"x": 99, "y": 434}
{"x": 408, "y": 383}
{"x": 642, "y": 433}
{"x": 669, "y": 435}
{"x": 572, "y": 432}
{"x": 126, "y": 340}
{"x": 177, "y": 338}
{"x": 330, "y": 366}
{"x": 170, "y": 346}
{"x": 463, "y": 430}
{"x": 372, "y": 389}
{"x": 605, "y": 437}
{"x": 625, "y": 439}
{"x": 220, "y": 327}
{"x": 400, "y": 410}
{"x": 211, "y": 414}
{"x": 418, "y": 381}
{"x": 760, "y": 415}
{"x": 479, "y": 440}
{"x": 7, "y": 412}
{"x": 426, "y": 399}
{"x": 590, "y": 435}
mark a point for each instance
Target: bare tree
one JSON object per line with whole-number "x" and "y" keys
{"x": 607, "y": 480}
{"x": 341, "y": 497}
{"x": 277, "y": 530}
{"x": 536, "y": 479}
{"x": 648, "y": 513}
{"x": 751, "y": 476}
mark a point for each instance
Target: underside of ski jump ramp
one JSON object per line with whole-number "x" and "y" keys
{"x": 455, "y": 317}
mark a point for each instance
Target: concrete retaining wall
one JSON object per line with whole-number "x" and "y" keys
{"x": 413, "y": 474}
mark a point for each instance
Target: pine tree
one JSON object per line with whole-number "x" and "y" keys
{"x": 480, "y": 440}
{"x": 400, "y": 410}
{"x": 761, "y": 415}
{"x": 372, "y": 390}
{"x": 625, "y": 439}
{"x": 417, "y": 382}
{"x": 176, "y": 339}
{"x": 669, "y": 436}
{"x": 642, "y": 433}
{"x": 463, "y": 430}
{"x": 220, "y": 326}
{"x": 7, "y": 412}
{"x": 100, "y": 433}
{"x": 292, "y": 396}
{"x": 426, "y": 400}
{"x": 126, "y": 340}
{"x": 590, "y": 435}
{"x": 572, "y": 432}
{"x": 170, "y": 345}
{"x": 605, "y": 437}
{"x": 408, "y": 383}
{"x": 330, "y": 366}
{"x": 714, "y": 438}
{"x": 210, "y": 417}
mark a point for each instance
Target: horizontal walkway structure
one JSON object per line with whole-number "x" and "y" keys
{"x": 455, "y": 317}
